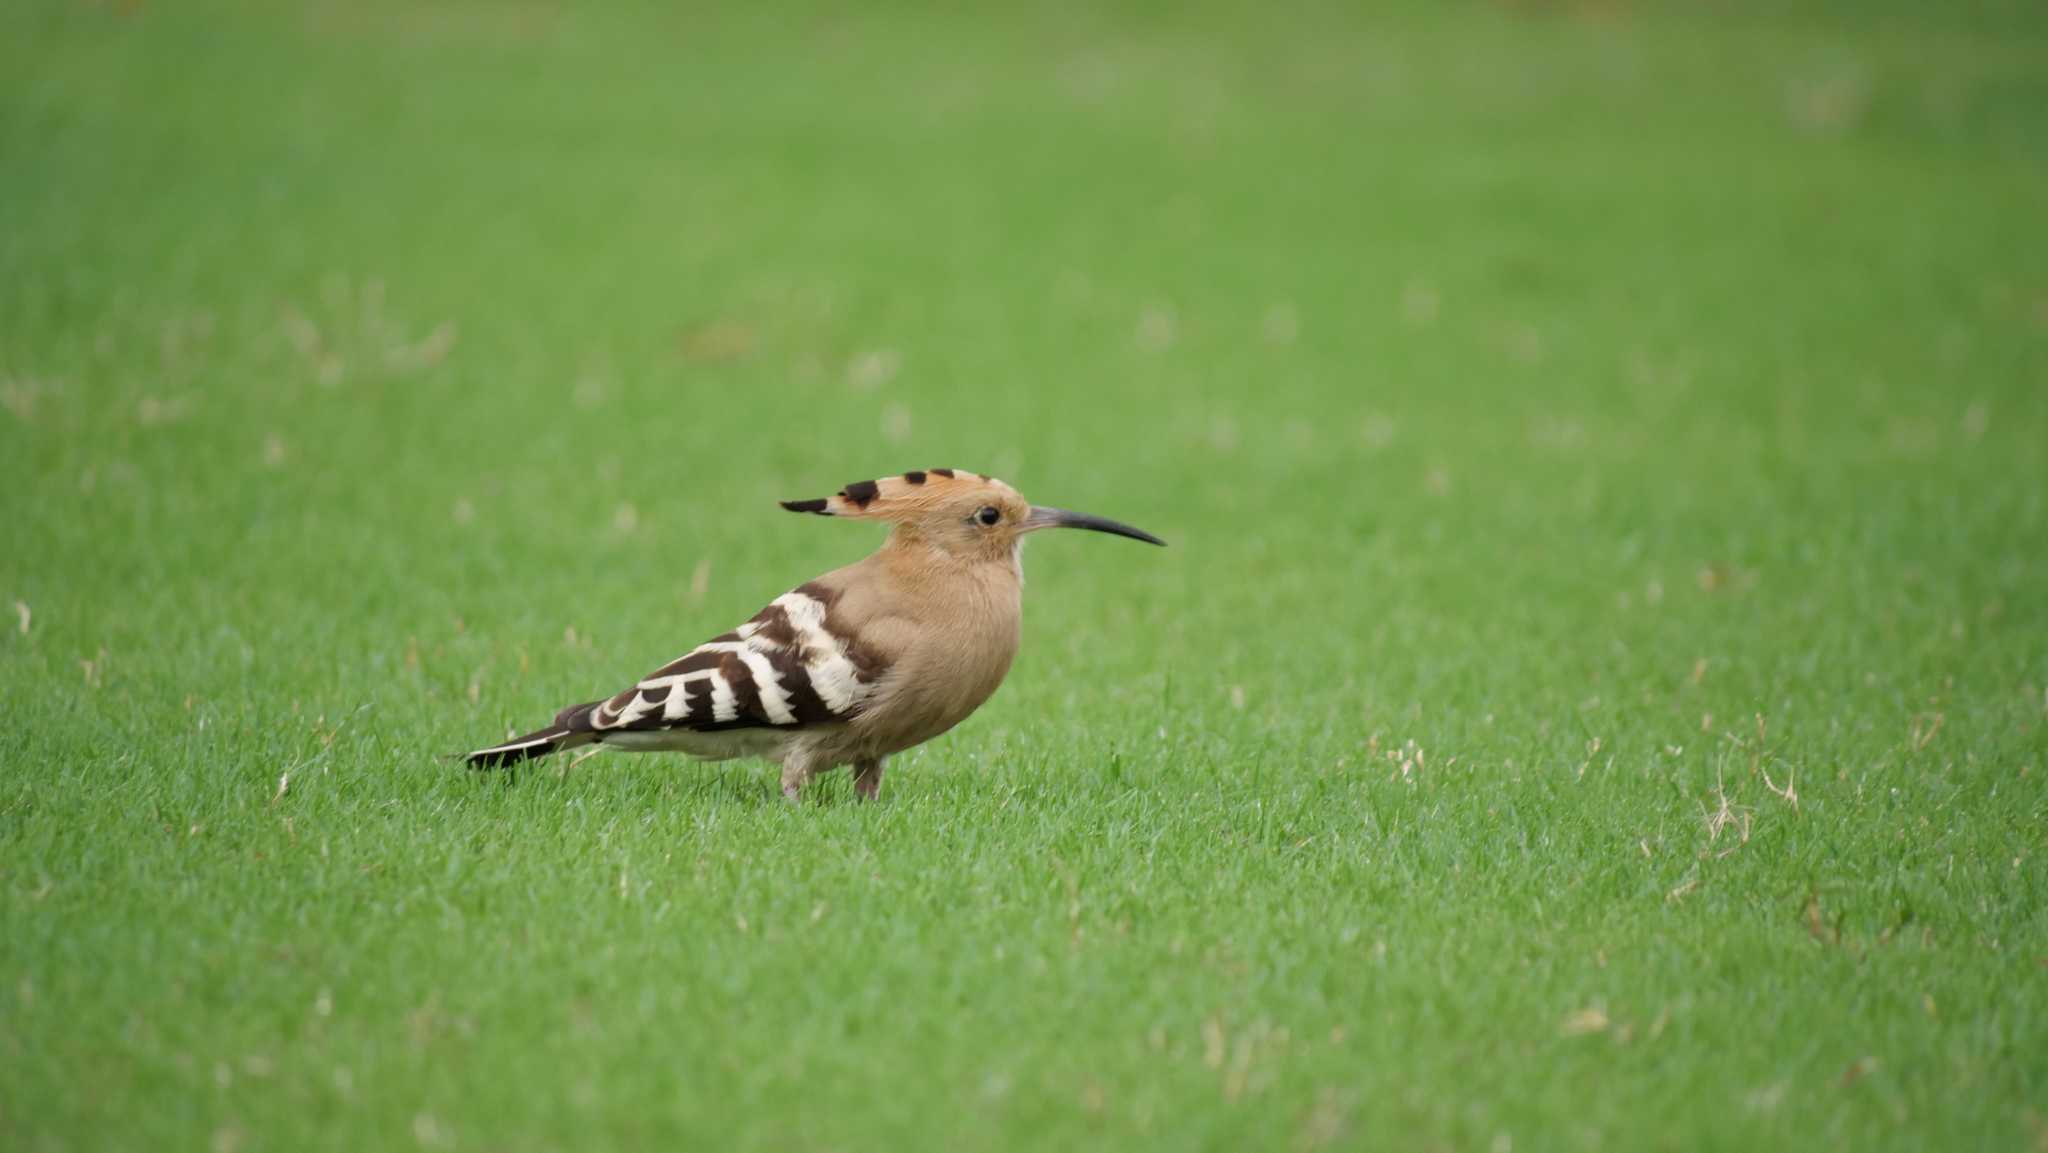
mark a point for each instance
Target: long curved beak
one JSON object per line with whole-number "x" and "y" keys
{"x": 1042, "y": 517}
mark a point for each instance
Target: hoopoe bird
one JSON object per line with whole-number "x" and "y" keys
{"x": 861, "y": 663}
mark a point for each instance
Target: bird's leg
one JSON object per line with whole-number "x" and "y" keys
{"x": 867, "y": 777}
{"x": 797, "y": 768}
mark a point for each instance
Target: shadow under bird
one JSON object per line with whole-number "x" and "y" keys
{"x": 863, "y": 662}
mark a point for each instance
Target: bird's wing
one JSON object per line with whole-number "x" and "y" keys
{"x": 787, "y": 668}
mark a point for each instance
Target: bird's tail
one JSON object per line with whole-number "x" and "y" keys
{"x": 538, "y": 743}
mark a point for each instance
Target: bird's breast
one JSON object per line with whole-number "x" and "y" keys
{"x": 955, "y": 663}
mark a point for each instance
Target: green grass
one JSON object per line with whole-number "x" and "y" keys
{"x": 1574, "y": 425}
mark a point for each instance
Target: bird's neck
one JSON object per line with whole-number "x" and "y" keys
{"x": 918, "y": 562}
{"x": 912, "y": 547}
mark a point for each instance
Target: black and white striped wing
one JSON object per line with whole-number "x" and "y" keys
{"x": 784, "y": 669}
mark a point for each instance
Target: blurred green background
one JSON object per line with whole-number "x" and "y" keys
{"x": 1594, "y": 699}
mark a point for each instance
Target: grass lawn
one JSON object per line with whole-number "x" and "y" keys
{"x": 1597, "y": 696}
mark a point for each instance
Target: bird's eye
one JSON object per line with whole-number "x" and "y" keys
{"x": 989, "y": 514}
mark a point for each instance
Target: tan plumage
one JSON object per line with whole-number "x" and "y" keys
{"x": 861, "y": 663}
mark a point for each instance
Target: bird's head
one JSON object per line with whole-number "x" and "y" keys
{"x": 966, "y": 515}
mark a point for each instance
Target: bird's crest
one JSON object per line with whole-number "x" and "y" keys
{"x": 905, "y": 497}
